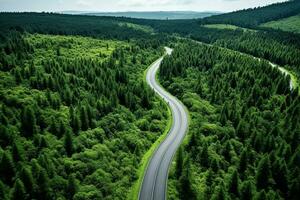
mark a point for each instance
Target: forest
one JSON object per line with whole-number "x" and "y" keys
{"x": 254, "y": 16}
{"x": 244, "y": 136}
{"x": 76, "y": 116}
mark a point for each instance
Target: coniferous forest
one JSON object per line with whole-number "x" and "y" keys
{"x": 244, "y": 134}
{"x": 78, "y": 120}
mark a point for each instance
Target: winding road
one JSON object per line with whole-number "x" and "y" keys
{"x": 154, "y": 183}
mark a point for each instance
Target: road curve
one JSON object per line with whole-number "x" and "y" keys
{"x": 154, "y": 184}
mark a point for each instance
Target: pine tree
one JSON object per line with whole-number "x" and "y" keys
{"x": 75, "y": 121}
{"x": 72, "y": 187}
{"x": 28, "y": 122}
{"x": 3, "y": 192}
{"x": 69, "y": 143}
{"x": 226, "y": 151}
{"x": 243, "y": 161}
{"x": 185, "y": 186}
{"x": 7, "y": 168}
{"x": 219, "y": 193}
{"x": 84, "y": 118}
{"x": 18, "y": 152}
{"x": 224, "y": 114}
{"x": 281, "y": 177}
{"x": 145, "y": 100}
{"x": 261, "y": 195}
{"x": 204, "y": 157}
{"x": 233, "y": 185}
{"x": 62, "y": 129}
{"x": 247, "y": 190}
{"x": 42, "y": 181}
{"x": 18, "y": 191}
{"x": 27, "y": 179}
{"x": 263, "y": 173}
{"x": 294, "y": 191}
{"x": 179, "y": 163}
{"x": 5, "y": 136}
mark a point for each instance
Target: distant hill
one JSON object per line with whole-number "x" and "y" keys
{"x": 149, "y": 15}
{"x": 290, "y": 24}
{"x": 256, "y": 16}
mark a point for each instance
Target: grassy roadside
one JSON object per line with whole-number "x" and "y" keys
{"x": 134, "y": 192}
{"x": 293, "y": 77}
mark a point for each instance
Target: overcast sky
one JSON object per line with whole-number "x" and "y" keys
{"x": 130, "y": 5}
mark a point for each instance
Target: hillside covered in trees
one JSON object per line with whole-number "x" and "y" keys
{"x": 244, "y": 134}
{"x": 255, "y": 16}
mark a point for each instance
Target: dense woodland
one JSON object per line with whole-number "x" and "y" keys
{"x": 76, "y": 116}
{"x": 245, "y": 127}
{"x": 255, "y": 16}
{"x": 279, "y": 47}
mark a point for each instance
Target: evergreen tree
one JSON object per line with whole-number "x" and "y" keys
{"x": 233, "y": 185}
{"x": 261, "y": 195}
{"x": 84, "y": 118}
{"x": 281, "y": 177}
{"x": 72, "y": 187}
{"x": 185, "y": 185}
{"x": 247, "y": 190}
{"x": 75, "y": 121}
{"x": 19, "y": 191}
{"x": 243, "y": 161}
{"x": 179, "y": 163}
{"x": 219, "y": 193}
{"x": 294, "y": 191}
{"x": 204, "y": 157}
{"x": 5, "y": 136}
{"x": 18, "y": 152}
{"x": 27, "y": 179}
{"x": 3, "y": 192}
{"x": 28, "y": 122}
{"x": 7, "y": 168}
{"x": 43, "y": 191}
{"x": 263, "y": 173}
{"x": 62, "y": 129}
{"x": 69, "y": 143}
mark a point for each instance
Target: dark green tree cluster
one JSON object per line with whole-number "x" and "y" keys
{"x": 255, "y": 16}
{"x": 247, "y": 147}
{"x": 93, "y": 26}
{"x": 74, "y": 127}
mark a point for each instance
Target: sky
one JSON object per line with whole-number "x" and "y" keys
{"x": 130, "y": 5}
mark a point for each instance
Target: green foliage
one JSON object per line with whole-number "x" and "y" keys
{"x": 231, "y": 155}
{"x": 27, "y": 178}
{"x": 179, "y": 162}
{"x": 69, "y": 117}
{"x": 69, "y": 146}
{"x": 290, "y": 24}
{"x": 18, "y": 191}
{"x": 233, "y": 184}
{"x": 72, "y": 187}
{"x": 28, "y": 122}
{"x": 43, "y": 191}
{"x": 263, "y": 173}
{"x": 7, "y": 168}
{"x": 256, "y": 16}
{"x": 184, "y": 185}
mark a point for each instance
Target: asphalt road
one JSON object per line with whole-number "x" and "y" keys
{"x": 154, "y": 185}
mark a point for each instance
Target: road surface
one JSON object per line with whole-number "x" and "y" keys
{"x": 154, "y": 184}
